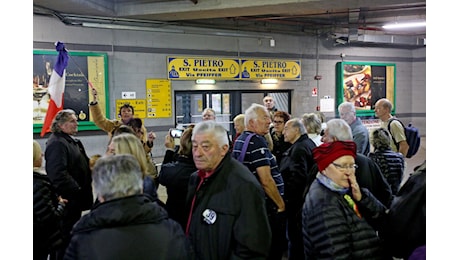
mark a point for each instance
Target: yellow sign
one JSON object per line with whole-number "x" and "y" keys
{"x": 190, "y": 68}
{"x": 158, "y": 96}
{"x": 137, "y": 104}
{"x": 273, "y": 69}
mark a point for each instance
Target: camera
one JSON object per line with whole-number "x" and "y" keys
{"x": 175, "y": 133}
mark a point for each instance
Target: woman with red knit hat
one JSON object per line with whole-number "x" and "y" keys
{"x": 337, "y": 212}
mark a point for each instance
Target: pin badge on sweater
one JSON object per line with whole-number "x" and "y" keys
{"x": 209, "y": 216}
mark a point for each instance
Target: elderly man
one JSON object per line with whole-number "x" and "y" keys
{"x": 262, "y": 163}
{"x": 294, "y": 166}
{"x": 227, "y": 216}
{"x": 360, "y": 133}
{"x": 382, "y": 110}
{"x": 125, "y": 224}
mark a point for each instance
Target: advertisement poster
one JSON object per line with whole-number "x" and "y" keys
{"x": 81, "y": 68}
{"x": 364, "y": 83}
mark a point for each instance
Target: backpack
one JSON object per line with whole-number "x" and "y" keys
{"x": 412, "y": 137}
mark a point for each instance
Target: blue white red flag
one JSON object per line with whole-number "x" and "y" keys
{"x": 56, "y": 87}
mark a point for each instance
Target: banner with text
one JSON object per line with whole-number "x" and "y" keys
{"x": 191, "y": 68}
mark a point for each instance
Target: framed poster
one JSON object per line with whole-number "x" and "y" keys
{"x": 363, "y": 83}
{"x": 81, "y": 68}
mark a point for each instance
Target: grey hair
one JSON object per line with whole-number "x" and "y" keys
{"x": 381, "y": 139}
{"x": 312, "y": 123}
{"x": 348, "y": 107}
{"x": 117, "y": 176}
{"x": 297, "y": 123}
{"x": 60, "y": 118}
{"x": 339, "y": 129}
{"x": 208, "y": 109}
{"x": 251, "y": 112}
{"x": 214, "y": 128}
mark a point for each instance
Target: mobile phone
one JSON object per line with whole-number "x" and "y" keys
{"x": 175, "y": 133}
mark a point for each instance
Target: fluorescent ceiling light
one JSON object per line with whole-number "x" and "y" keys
{"x": 206, "y": 81}
{"x": 129, "y": 27}
{"x": 404, "y": 25}
{"x": 269, "y": 81}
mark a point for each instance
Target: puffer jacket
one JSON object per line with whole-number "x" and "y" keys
{"x": 133, "y": 227}
{"x": 47, "y": 213}
{"x": 332, "y": 230}
{"x": 392, "y": 166}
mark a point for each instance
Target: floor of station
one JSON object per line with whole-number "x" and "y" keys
{"x": 416, "y": 160}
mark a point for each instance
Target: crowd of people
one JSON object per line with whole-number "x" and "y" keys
{"x": 283, "y": 187}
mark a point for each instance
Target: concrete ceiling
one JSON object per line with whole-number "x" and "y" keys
{"x": 349, "y": 21}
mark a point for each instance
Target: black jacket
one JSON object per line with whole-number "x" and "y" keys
{"x": 175, "y": 177}
{"x": 332, "y": 230}
{"x": 67, "y": 166}
{"x": 229, "y": 219}
{"x": 133, "y": 227}
{"x": 294, "y": 166}
{"x": 47, "y": 213}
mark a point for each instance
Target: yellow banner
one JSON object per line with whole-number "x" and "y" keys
{"x": 190, "y": 68}
{"x": 158, "y": 95}
{"x": 137, "y": 104}
{"x": 273, "y": 69}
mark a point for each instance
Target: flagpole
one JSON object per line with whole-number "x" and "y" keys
{"x": 78, "y": 67}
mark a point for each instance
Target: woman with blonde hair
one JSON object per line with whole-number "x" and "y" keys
{"x": 129, "y": 144}
{"x": 48, "y": 210}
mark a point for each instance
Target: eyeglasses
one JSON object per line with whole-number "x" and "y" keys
{"x": 278, "y": 122}
{"x": 344, "y": 167}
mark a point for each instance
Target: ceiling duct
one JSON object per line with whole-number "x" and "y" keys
{"x": 353, "y": 20}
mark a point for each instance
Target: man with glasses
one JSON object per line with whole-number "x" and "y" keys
{"x": 368, "y": 173}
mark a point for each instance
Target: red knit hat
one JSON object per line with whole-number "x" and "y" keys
{"x": 326, "y": 153}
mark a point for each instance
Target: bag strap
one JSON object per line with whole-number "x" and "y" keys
{"x": 389, "y": 129}
{"x": 245, "y": 147}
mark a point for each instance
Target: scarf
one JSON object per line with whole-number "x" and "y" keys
{"x": 328, "y": 183}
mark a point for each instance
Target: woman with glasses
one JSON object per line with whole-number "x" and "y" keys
{"x": 279, "y": 144}
{"x": 337, "y": 211}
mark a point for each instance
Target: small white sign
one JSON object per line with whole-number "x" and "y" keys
{"x": 128, "y": 95}
{"x": 327, "y": 104}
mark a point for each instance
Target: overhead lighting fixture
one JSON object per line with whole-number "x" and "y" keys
{"x": 129, "y": 27}
{"x": 404, "y": 25}
{"x": 269, "y": 81}
{"x": 206, "y": 81}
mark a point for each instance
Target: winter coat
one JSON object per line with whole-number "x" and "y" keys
{"x": 132, "y": 227}
{"x": 332, "y": 230}
{"x": 229, "y": 219}
{"x": 175, "y": 177}
{"x": 47, "y": 213}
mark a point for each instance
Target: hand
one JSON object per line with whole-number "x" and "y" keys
{"x": 355, "y": 190}
{"x": 94, "y": 92}
{"x": 61, "y": 200}
{"x": 151, "y": 136}
{"x": 169, "y": 142}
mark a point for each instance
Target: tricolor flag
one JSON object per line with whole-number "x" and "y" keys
{"x": 56, "y": 87}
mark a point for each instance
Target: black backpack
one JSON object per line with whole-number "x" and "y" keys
{"x": 412, "y": 137}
